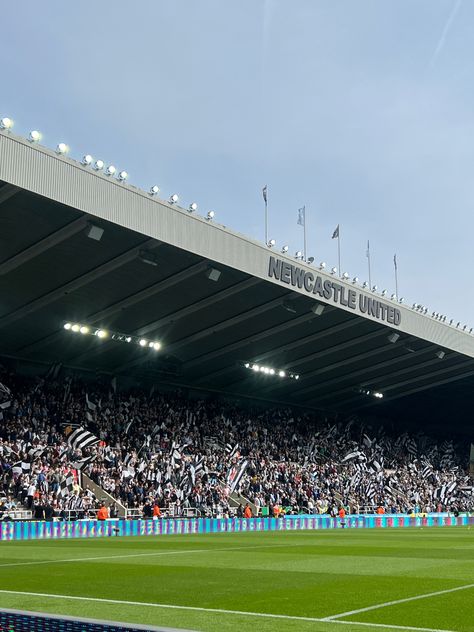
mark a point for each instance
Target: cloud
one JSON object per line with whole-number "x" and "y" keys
{"x": 444, "y": 34}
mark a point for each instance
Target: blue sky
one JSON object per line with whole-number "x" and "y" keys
{"x": 361, "y": 110}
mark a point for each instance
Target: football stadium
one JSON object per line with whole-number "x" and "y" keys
{"x": 201, "y": 432}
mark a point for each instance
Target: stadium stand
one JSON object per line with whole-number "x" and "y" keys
{"x": 209, "y": 457}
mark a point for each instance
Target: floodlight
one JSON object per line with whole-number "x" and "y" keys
{"x": 6, "y": 123}
{"x": 62, "y": 148}
{"x": 143, "y": 342}
{"x": 247, "y": 365}
{"x": 98, "y": 165}
{"x": 272, "y": 371}
{"x": 393, "y": 297}
{"x": 95, "y": 232}
{"x": 440, "y": 354}
{"x": 255, "y": 367}
{"x": 281, "y": 373}
{"x": 378, "y": 395}
{"x": 297, "y": 377}
{"x": 384, "y": 292}
{"x": 193, "y": 207}
{"x": 84, "y": 329}
{"x": 365, "y": 285}
{"x": 87, "y": 160}
{"x": 374, "y": 288}
{"x": 451, "y": 321}
{"x": 174, "y": 199}
{"x": 75, "y": 328}
{"x": 110, "y": 170}
{"x": 401, "y": 300}
{"x": 101, "y": 333}
{"x": 284, "y": 249}
{"x": 157, "y": 346}
{"x": 393, "y": 337}
{"x": 322, "y": 265}
{"x": 154, "y": 190}
{"x": 345, "y": 275}
{"x": 34, "y": 136}
{"x": 213, "y": 274}
{"x": 310, "y": 260}
{"x": 210, "y": 215}
{"x": 355, "y": 280}
{"x": 318, "y": 309}
{"x": 298, "y": 254}
{"x": 334, "y": 270}
{"x": 67, "y": 326}
{"x": 271, "y": 243}
{"x": 123, "y": 175}
{"x": 128, "y": 339}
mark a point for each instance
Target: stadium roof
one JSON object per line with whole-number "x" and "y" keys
{"x": 214, "y": 299}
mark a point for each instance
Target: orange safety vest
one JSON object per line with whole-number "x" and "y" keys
{"x": 102, "y": 514}
{"x": 247, "y": 512}
{"x": 156, "y": 511}
{"x": 342, "y": 513}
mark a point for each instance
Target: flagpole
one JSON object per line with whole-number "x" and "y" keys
{"x": 396, "y": 275}
{"x": 339, "y": 250}
{"x": 368, "y": 259}
{"x": 266, "y": 222}
{"x": 304, "y": 233}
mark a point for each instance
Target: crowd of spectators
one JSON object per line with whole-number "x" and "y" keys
{"x": 186, "y": 455}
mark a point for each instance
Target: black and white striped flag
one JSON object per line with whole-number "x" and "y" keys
{"x": 66, "y": 486}
{"x": 81, "y": 438}
{"x": 238, "y": 477}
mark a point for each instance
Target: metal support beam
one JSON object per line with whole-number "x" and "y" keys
{"x": 44, "y": 244}
{"x": 8, "y": 191}
{"x": 74, "y": 285}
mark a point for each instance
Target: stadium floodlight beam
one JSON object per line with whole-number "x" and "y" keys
{"x": 34, "y": 136}
{"x": 87, "y": 160}
{"x": 210, "y": 215}
{"x": 110, "y": 170}
{"x": 193, "y": 207}
{"x": 6, "y": 123}
{"x": 154, "y": 190}
{"x": 174, "y": 199}
{"x": 271, "y": 243}
{"x": 122, "y": 176}
{"x": 284, "y": 249}
{"x": 62, "y": 148}
{"x": 98, "y": 165}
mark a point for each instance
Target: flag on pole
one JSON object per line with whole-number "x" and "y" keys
{"x": 264, "y": 193}
{"x": 301, "y": 216}
{"x": 335, "y": 234}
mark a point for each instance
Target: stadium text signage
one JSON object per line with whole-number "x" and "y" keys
{"x": 327, "y": 289}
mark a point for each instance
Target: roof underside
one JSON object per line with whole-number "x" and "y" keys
{"x": 51, "y": 272}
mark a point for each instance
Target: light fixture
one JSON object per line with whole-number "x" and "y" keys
{"x": 247, "y": 365}
{"x": 128, "y": 339}
{"x": 122, "y": 176}
{"x": 268, "y": 370}
{"x": 110, "y": 170}
{"x": 345, "y": 276}
{"x": 393, "y": 337}
{"x": 401, "y": 300}
{"x": 95, "y": 232}
{"x": 84, "y": 329}
{"x": 440, "y": 354}
{"x": 157, "y": 346}
{"x": 193, "y": 207}
{"x": 174, "y": 199}
{"x": 98, "y": 165}
{"x": 34, "y": 136}
{"x": 334, "y": 270}
{"x": 384, "y": 292}
{"x": 67, "y": 326}
{"x": 213, "y": 274}
{"x": 298, "y": 254}
{"x": 143, "y": 342}
{"x": 62, "y": 148}
{"x": 271, "y": 243}
{"x": 154, "y": 190}
{"x": 281, "y": 374}
{"x": 451, "y": 321}
{"x": 318, "y": 309}
{"x": 255, "y": 367}
{"x": 374, "y": 288}
{"x": 101, "y": 333}
{"x": 284, "y": 250}
{"x": 310, "y": 260}
{"x": 378, "y": 395}
{"x": 6, "y": 123}
{"x": 322, "y": 265}
{"x": 393, "y": 297}
{"x": 75, "y": 328}
{"x": 210, "y": 215}
{"x": 87, "y": 160}
{"x": 355, "y": 280}
{"x": 365, "y": 285}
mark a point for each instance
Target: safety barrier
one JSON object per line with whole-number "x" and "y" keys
{"x": 94, "y": 529}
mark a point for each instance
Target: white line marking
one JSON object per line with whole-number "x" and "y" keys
{"x": 159, "y": 553}
{"x": 217, "y": 611}
{"x": 397, "y": 601}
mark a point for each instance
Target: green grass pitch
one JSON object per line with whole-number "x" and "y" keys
{"x": 304, "y": 576}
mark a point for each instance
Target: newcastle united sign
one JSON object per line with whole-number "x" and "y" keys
{"x": 329, "y": 289}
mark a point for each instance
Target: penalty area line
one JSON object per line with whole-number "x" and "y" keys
{"x": 398, "y": 601}
{"x": 244, "y": 613}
